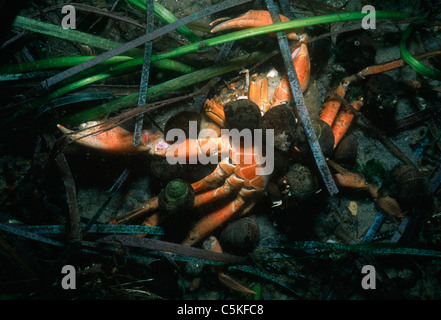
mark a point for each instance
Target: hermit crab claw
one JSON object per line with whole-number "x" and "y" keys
{"x": 251, "y": 19}
{"x": 96, "y": 135}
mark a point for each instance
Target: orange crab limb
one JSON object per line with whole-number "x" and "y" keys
{"x": 149, "y": 206}
{"x": 215, "y": 112}
{"x": 231, "y": 184}
{"x": 251, "y": 19}
{"x": 214, "y": 220}
{"x": 258, "y": 93}
{"x": 302, "y": 65}
{"x": 117, "y": 140}
{"x": 282, "y": 93}
{"x": 332, "y": 105}
{"x": 343, "y": 121}
{"x": 222, "y": 171}
{"x": 197, "y": 149}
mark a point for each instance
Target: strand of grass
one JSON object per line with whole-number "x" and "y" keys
{"x": 96, "y": 228}
{"x": 145, "y": 74}
{"x": 53, "y": 63}
{"x": 69, "y": 34}
{"x": 26, "y": 76}
{"x": 66, "y": 62}
{"x": 75, "y": 98}
{"x": 243, "y": 34}
{"x": 363, "y": 248}
{"x": 164, "y": 88}
{"x": 166, "y": 16}
{"x": 259, "y": 273}
{"x": 414, "y": 63}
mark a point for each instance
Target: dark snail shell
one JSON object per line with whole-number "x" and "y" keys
{"x": 380, "y": 99}
{"x": 302, "y": 182}
{"x": 324, "y": 135}
{"x": 283, "y": 121}
{"x": 355, "y": 50}
{"x": 242, "y": 114}
{"x": 347, "y": 150}
{"x": 412, "y": 188}
{"x": 241, "y": 236}
{"x": 177, "y": 196}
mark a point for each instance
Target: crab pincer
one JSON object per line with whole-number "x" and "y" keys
{"x": 251, "y": 19}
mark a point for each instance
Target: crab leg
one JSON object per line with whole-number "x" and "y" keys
{"x": 223, "y": 170}
{"x": 116, "y": 140}
{"x": 343, "y": 121}
{"x": 348, "y": 179}
{"x": 258, "y": 93}
{"x": 215, "y": 112}
{"x": 332, "y": 105}
{"x": 213, "y": 245}
{"x": 232, "y": 183}
{"x": 212, "y": 221}
{"x": 149, "y": 206}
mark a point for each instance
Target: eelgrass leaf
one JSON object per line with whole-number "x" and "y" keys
{"x": 411, "y": 61}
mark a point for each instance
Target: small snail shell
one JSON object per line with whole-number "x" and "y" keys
{"x": 346, "y": 151}
{"x": 283, "y": 121}
{"x": 241, "y": 236}
{"x": 412, "y": 188}
{"x": 177, "y": 196}
{"x": 324, "y": 134}
{"x": 242, "y": 114}
{"x": 380, "y": 99}
{"x": 355, "y": 50}
{"x": 302, "y": 182}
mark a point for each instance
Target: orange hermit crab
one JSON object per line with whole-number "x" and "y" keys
{"x": 239, "y": 178}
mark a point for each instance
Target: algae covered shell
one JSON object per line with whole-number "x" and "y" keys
{"x": 302, "y": 182}
{"x": 324, "y": 135}
{"x": 177, "y": 196}
{"x": 242, "y": 114}
{"x": 283, "y": 121}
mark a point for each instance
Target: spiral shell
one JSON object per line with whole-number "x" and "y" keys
{"x": 412, "y": 188}
{"x": 241, "y": 236}
{"x": 177, "y": 196}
